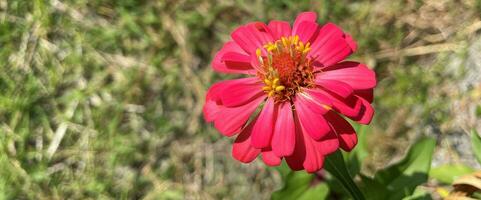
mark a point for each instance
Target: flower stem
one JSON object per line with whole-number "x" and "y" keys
{"x": 334, "y": 163}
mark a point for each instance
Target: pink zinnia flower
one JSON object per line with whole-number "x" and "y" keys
{"x": 300, "y": 85}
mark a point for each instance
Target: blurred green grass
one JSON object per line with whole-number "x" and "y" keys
{"x": 102, "y": 99}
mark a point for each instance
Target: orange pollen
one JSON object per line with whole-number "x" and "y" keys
{"x": 286, "y": 68}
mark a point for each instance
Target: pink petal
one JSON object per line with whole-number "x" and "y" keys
{"x": 340, "y": 88}
{"x": 279, "y": 29}
{"x": 230, "y": 120}
{"x": 242, "y": 91}
{"x": 211, "y": 109}
{"x": 232, "y": 59}
{"x": 331, "y": 45}
{"x": 350, "y": 41}
{"x": 242, "y": 149}
{"x": 328, "y": 144}
{"x": 213, "y": 103}
{"x": 270, "y": 158}
{"x": 346, "y": 134}
{"x": 216, "y": 89}
{"x": 306, "y": 155}
{"x": 265, "y": 34}
{"x": 262, "y": 131}
{"x": 320, "y": 97}
{"x": 314, "y": 159}
{"x": 354, "y": 107}
{"x": 368, "y": 94}
{"x": 327, "y": 32}
{"x": 334, "y": 51}
{"x": 284, "y": 138}
{"x": 296, "y": 160}
{"x": 357, "y": 75}
{"x": 350, "y": 107}
{"x": 312, "y": 103}
{"x": 305, "y": 16}
{"x": 366, "y": 114}
{"x": 307, "y": 31}
{"x": 252, "y": 36}
{"x": 312, "y": 123}
{"x": 237, "y": 63}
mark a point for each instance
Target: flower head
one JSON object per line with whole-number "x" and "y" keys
{"x": 297, "y": 89}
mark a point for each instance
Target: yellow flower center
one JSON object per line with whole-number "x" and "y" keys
{"x": 286, "y": 68}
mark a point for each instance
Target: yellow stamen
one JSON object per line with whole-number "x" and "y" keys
{"x": 276, "y": 81}
{"x": 258, "y": 52}
{"x": 279, "y": 88}
{"x": 270, "y": 46}
{"x": 284, "y": 41}
{"x": 296, "y": 38}
{"x": 267, "y": 82}
{"x": 301, "y": 46}
{"x": 271, "y": 93}
{"x": 269, "y": 59}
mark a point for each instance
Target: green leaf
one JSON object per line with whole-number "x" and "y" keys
{"x": 476, "y": 145}
{"x": 476, "y": 195}
{"x": 298, "y": 186}
{"x": 355, "y": 158}
{"x": 402, "y": 178}
{"x": 335, "y": 165}
{"x": 296, "y": 183}
{"x": 419, "y": 194}
{"x": 448, "y": 173}
{"x": 372, "y": 189}
{"x": 320, "y": 191}
{"x": 284, "y": 170}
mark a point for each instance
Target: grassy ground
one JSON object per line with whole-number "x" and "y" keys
{"x": 102, "y": 99}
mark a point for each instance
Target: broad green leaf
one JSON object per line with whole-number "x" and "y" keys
{"x": 372, "y": 189}
{"x": 320, "y": 191}
{"x": 296, "y": 183}
{"x": 402, "y": 178}
{"x": 284, "y": 170}
{"x": 448, "y": 173}
{"x": 335, "y": 165}
{"x": 476, "y": 145}
{"x": 335, "y": 186}
{"x": 419, "y": 194}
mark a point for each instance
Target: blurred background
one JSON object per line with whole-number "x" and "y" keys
{"x": 102, "y": 99}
